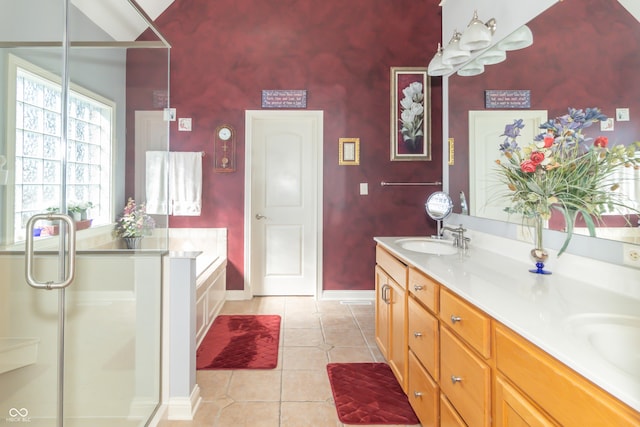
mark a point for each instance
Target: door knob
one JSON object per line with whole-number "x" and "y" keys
{"x": 258, "y": 216}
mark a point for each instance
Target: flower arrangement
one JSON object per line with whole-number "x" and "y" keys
{"x": 412, "y": 114}
{"x": 563, "y": 170}
{"x": 134, "y": 221}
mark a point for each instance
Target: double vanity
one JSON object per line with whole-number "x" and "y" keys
{"x": 475, "y": 339}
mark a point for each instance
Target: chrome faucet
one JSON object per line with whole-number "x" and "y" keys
{"x": 459, "y": 239}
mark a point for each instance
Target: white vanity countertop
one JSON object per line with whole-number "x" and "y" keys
{"x": 556, "y": 312}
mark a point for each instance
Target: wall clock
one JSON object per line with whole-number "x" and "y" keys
{"x": 224, "y": 154}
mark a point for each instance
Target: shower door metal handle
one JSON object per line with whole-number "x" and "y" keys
{"x": 70, "y": 271}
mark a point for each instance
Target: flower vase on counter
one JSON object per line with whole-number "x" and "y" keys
{"x": 133, "y": 242}
{"x": 538, "y": 253}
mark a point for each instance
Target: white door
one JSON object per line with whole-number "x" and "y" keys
{"x": 487, "y": 196}
{"x": 283, "y": 202}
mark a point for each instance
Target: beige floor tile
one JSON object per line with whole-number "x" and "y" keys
{"x": 309, "y": 414}
{"x": 305, "y": 386}
{"x": 255, "y": 385}
{"x": 299, "y": 337}
{"x": 250, "y": 414}
{"x": 370, "y": 336}
{"x": 350, "y": 355}
{"x": 301, "y": 320}
{"x": 338, "y": 320}
{"x": 213, "y": 383}
{"x": 304, "y": 358}
{"x": 333, "y": 307}
{"x": 344, "y": 337}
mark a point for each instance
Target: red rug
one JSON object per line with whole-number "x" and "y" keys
{"x": 240, "y": 342}
{"x": 368, "y": 393}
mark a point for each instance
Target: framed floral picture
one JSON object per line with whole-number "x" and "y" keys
{"x": 410, "y": 114}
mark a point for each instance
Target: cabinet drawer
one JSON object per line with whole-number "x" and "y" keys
{"x": 423, "y": 336}
{"x": 465, "y": 379}
{"x": 468, "y": 322}
{"x": 424, "y": 288}
{"x": 564, "y": 394}
{"x": 423, "y": 393}
{"x": 448, "y": 416}
{"x": 396, "y": 269}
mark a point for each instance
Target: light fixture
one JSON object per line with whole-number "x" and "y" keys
{"x": 492, "y": 56}
{"x": 478, "y": 35}
{"x": 453, "y": 54}
{"x": 436, "y": 67}
{"x": 473, "y": 68}
{"x": 519, "y": 39}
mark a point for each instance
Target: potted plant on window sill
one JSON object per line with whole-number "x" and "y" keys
{"x": 79, "y": 212}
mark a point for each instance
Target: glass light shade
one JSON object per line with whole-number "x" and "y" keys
{"x": 436, "y": 67}
{"x": 519, "y": 39}
{"x": 471, "y": 69}
{"x": 452, "y": 54}
{"x": 477, "y": 35}
{"x": 492, "y": 56}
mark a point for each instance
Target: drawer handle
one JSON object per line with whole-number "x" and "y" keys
{"x": 417, "y": 334}
{"x": 455, "y": 319}
{"x": 455, "y": 379}
{"x": 417, "y": 288}
{"x": 417, "y": 394}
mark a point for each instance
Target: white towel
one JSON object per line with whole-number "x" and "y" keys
{"x": 185, "y": 183}
{"x": 157, "y": 167}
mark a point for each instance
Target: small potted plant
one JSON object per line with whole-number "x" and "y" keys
{"x": 133, "y": 224}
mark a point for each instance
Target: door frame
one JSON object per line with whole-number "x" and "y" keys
{"x": 250, "y": 115}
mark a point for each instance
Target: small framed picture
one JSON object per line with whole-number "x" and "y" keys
{"x": 349, "y": 151}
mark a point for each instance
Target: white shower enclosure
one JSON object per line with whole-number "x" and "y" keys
{"x": 80, "y": 314}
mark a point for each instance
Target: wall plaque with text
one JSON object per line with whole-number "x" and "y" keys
{"x": 507, "y": 99}
{"x": 284, "y": 99}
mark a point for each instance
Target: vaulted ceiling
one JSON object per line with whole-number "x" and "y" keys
{"x": 118, "y": 18}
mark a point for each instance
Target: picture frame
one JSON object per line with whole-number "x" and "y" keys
{"x": 410, "y": 114}
{"x": 349, "y": 151}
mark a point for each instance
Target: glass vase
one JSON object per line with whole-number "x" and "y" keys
{"x": 538, "y": 253}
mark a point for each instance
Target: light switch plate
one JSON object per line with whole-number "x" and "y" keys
{"x": 364, "y": 188}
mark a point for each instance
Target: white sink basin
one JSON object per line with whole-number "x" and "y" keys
{"x": 614, "y": 337}
{"x": 427, "y": 245}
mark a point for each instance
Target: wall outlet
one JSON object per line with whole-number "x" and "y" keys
{"x": 631, "y": 255}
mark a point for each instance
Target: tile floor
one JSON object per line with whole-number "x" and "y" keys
{"x": 297, "y": 393}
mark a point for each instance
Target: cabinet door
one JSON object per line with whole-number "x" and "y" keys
{"x": 398, "y": 349}
{"x": 448, "y": 416}
{"x": 382, "y": 312}
{"x": 514, "y": 410}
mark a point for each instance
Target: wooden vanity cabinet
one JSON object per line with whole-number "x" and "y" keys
{"x": 568, "y": 398}
{"x": 391, "y": 313}
{"x": 462, "y": 368}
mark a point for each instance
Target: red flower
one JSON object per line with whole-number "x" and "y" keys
{"x": 601, "y": 141}
{"x": 548, "y": 141}
{"x": 528, "y": 166}
{"x": 536, "y": 157}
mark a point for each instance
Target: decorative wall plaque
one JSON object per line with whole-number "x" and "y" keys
{"x": 507, "y": 99}
{"x": 284, "y": 99}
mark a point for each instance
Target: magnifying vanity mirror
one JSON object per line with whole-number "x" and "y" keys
{"x": 439, "y": 206}
{"x": 583, "y": 55}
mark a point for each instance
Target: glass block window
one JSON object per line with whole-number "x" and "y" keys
{"x": 39, "y": 149}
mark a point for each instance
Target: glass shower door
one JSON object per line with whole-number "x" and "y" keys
{"x": 72, "y": 75}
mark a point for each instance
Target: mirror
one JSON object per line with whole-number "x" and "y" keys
{"x": 439, "y": 206}
{"x": 583, "y": 55}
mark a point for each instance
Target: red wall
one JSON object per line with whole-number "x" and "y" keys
{"x": 584, "y": 54}
{"x": 224, "y": 53}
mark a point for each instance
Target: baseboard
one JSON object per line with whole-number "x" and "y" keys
{"x": 184, "y": 408}
{"x": 347, "y": 295}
